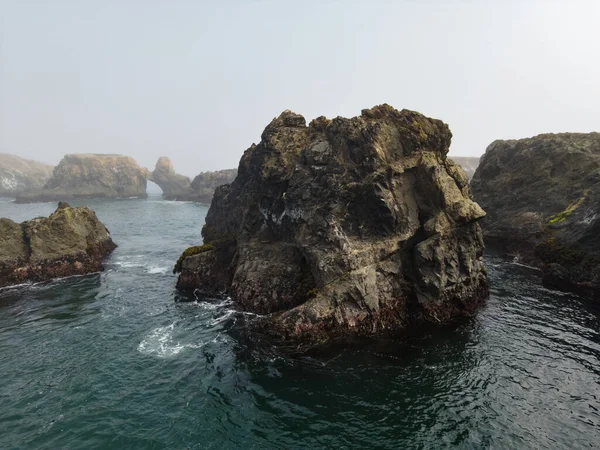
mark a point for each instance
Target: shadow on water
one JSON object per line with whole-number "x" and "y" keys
{"x": 65, "y": 299}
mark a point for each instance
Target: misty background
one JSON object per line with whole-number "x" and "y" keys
{"x": 199, "y": 81}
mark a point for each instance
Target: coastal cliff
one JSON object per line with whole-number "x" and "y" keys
{"x": 18, "y": 175}
{"x": 71, "y": 241}
{"x": 344, "y": 227}
{"x": 541, "y": 196}
{"x": 92, "y": 176}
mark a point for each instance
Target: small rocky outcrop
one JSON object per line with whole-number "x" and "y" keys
{"x": 542, "y": 198}
{"x": 468, "y": 163}
{"x": 92, "y": 176}
{"x": 173, "y": 185}
{"x": 71, "y": 241}
{"x": 205, "y": 184}
{"x": 344, "y": 227}
{"x": 18, "y": 175}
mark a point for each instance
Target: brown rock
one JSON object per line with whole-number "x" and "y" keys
{"x": 72, "y": 241}
{"x": 344, "y": 227}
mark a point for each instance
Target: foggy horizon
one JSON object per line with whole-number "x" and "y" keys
{"x": 198, "y": 82}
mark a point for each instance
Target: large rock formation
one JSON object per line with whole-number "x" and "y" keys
{"x": 542, "y": 198}
{"x": 345, "y": 227}
{"x": 468, "y": 163}
{"x": 179, "y": 187}
{"x": 72, "y": 241}
{"x": 92, "y": 176}
{"x": 18, "y": 175}
{"x": 173, "y": 185}
{"x": 205, "y": 184}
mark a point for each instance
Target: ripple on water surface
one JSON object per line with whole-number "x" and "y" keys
{"x": 112, "y": 360}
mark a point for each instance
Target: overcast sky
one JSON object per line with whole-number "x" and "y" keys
{"x": 199, "y": 81}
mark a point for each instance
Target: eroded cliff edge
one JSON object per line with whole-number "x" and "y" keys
{"x": 344, "y": 227}
{"x": 71, "y": 241}
{"x": 542, "y": 198}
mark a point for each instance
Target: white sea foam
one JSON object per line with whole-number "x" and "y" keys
{"x": 160, "y": 343}
{"x": 157, "y": 269}
{"x": 129, "y": 264}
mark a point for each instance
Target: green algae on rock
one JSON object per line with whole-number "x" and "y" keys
{"x": 541, "y": 196}
{"x": 71, "y": 241}
{"x": 345, "y": 227}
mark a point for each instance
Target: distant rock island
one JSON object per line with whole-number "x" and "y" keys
{"x": 179, "y": 187}
{"x": 205, "y": 184}
{"x": 468, "y": 163}
{"x": 542, "y": 198}
{"x": 173, "y": 185}
{"x": 344, "y": 227}
{"x": 72, "y": 241}
{"x": 18, "y": 175}
{"x": 83, "y": 175}
{"x": 86, "y": 175}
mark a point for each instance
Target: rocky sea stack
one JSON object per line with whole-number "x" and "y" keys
{"x": 83, "y": 175}
{"x": 542, "y": 198}
{"x": 18, "y": 175}
{"x": 72, "y": 241}
{"x": 205, "y": 184}
{"x": 344, "y": 227}
{"x": 173, "y": 185}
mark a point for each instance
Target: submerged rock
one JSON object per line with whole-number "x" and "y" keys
{"x": 71, "y": 241}
{"x": 542, "y": 198}
{"x": 344, "y": 227}
{"x": 18, "y": 175}
{"x": 92, "y": 176}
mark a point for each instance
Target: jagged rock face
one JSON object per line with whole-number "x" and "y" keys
{"x": 205, "y": 184}
{"x": 468, "y": 163}
{"x": 542, "y": 198}
{"x": 92, "y": 176}
{"x": 173, "y": 185}
{"x": 345, "y": 227}
{"x": 18, "y": 175}
{"x": 72, "y": 241}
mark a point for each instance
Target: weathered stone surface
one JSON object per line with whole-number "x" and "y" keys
{"x": 468, "y": 163}
{"x": 344, "y": 227}
{"x": 18, "y": 175}
{"x": 92, "y": 176}
{"x": 173, "y": 185}
{"x": 205, "y": 184}
{"x": 71, "y": 241}
{"x": 542, "y": 198}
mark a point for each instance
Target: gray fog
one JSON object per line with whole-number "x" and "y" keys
{"x": 198, "y": 81}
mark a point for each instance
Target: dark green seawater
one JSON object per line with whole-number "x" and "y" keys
{"x": 113, "y": 360}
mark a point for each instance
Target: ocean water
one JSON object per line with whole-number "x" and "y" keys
{"x": 115, "y": 360}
